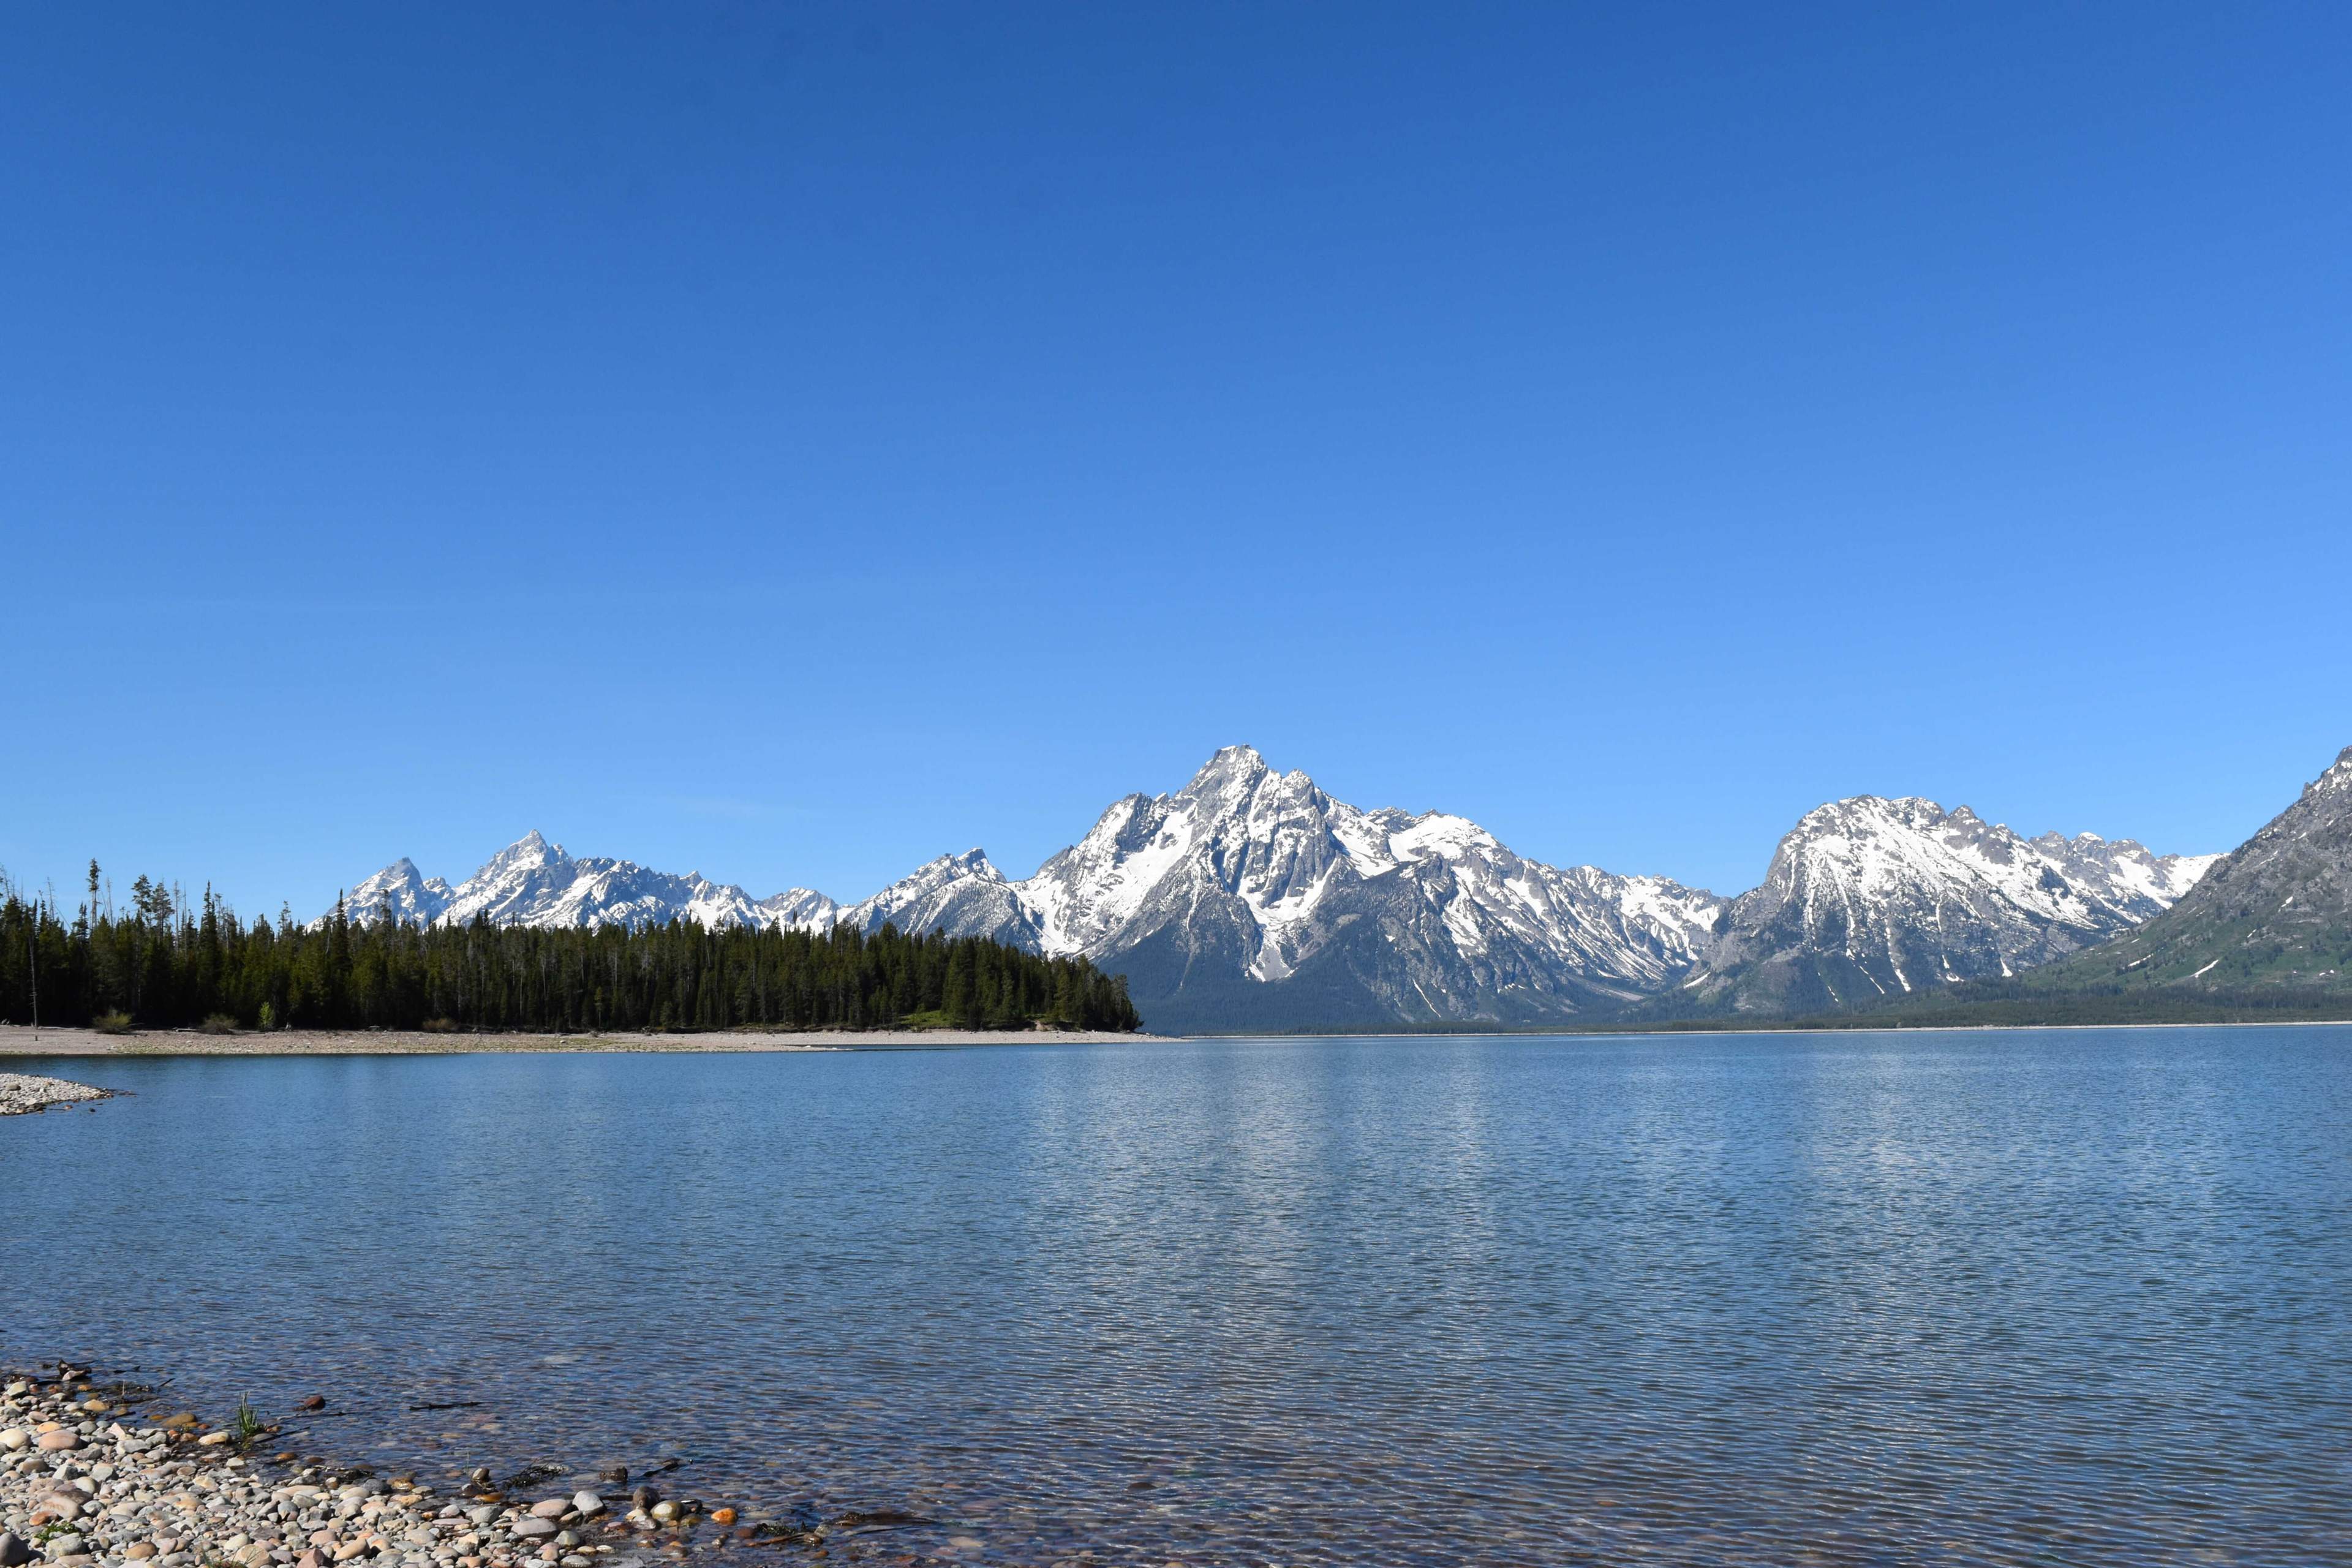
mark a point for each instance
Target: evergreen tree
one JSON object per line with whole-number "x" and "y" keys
{"x": 347, "y": 973}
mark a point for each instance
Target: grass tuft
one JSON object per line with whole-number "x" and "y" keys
{"x": 245, "y": 1425}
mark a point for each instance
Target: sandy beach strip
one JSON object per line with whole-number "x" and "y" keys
{"x": 21, "y": 1040}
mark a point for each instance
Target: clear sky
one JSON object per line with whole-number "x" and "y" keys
{"x": 789, "y": 443}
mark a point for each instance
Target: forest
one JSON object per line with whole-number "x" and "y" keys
{"x": 171, "y": 961}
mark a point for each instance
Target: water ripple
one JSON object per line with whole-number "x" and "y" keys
{"x": 1960, "y": 1300}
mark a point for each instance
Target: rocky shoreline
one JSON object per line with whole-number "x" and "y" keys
{"x": 21, "y": 1093}
{"x": 88, "y": 1480}
{"x": 85, "y": 1481}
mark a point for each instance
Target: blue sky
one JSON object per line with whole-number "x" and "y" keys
{"x": 791, "y": 443}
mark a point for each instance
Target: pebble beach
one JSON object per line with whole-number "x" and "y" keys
{"x": 98, "y": 1473}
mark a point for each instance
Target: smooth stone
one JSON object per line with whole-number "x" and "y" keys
{"x": 16, "y": 1440}
{"x": 60, "y": 1440}
{"x": 138, "y": 1550}
{"x": 13, "y": 1553}
{"x": 532, "y": 1529}
{"x": 552, "y": 1508}
{"x": 65, "y": 1546}
{"x": 589, "y": 1504}
{"x": 487, "y": 1513}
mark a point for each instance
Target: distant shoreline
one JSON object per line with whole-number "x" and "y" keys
{"x": 24, "y": 1040}
{"x": 1670, "y": 1031}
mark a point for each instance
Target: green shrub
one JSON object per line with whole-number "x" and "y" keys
{"x": 112, "y": 1023}
{"x": 217, "y": 1024}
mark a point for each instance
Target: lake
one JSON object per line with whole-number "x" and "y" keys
{"x": 1985, "y": 1297}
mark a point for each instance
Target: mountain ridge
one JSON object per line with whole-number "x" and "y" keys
{"x": 2273, "y": 914}
{"x": 1250, "y": 898}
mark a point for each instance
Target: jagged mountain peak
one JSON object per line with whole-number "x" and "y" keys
{"x": 2338, "y": 775}
{"x": 531, "y": 849}
{"x": 1241, "y": 759}
{"x": 971, "y": 862}
{"x": 1247, "y": 878}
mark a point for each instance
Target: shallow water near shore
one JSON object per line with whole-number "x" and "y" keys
{"x": 1985, "y": 1297}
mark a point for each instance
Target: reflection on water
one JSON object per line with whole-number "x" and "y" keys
{"x": 1962, "y": 1298}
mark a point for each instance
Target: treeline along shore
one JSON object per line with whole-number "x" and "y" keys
{"x": 163, "y": 964}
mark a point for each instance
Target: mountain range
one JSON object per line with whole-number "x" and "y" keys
{"x": 1251, "y": 899}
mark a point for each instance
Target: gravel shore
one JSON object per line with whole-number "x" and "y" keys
{"x": 20, "y": 1041}
{"x": 21, "y": 1092}
{"x": 87, "y": 1482}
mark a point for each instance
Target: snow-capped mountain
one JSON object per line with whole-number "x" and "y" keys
{"x": 1250, "y": 899}
{"x": 411, "y": 896}
{"x": 1868, "y": 899}
{"x": 962, "y": 895}
{"x": 531, "y": 882}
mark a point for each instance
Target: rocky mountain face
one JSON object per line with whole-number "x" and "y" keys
{"x": 2275, "y": 912}
{"x": 1869, "y": 898}
{"x": 1251, "y": 899}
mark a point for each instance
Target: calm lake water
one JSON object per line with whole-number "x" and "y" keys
{"x": 1954, "y": 1298}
